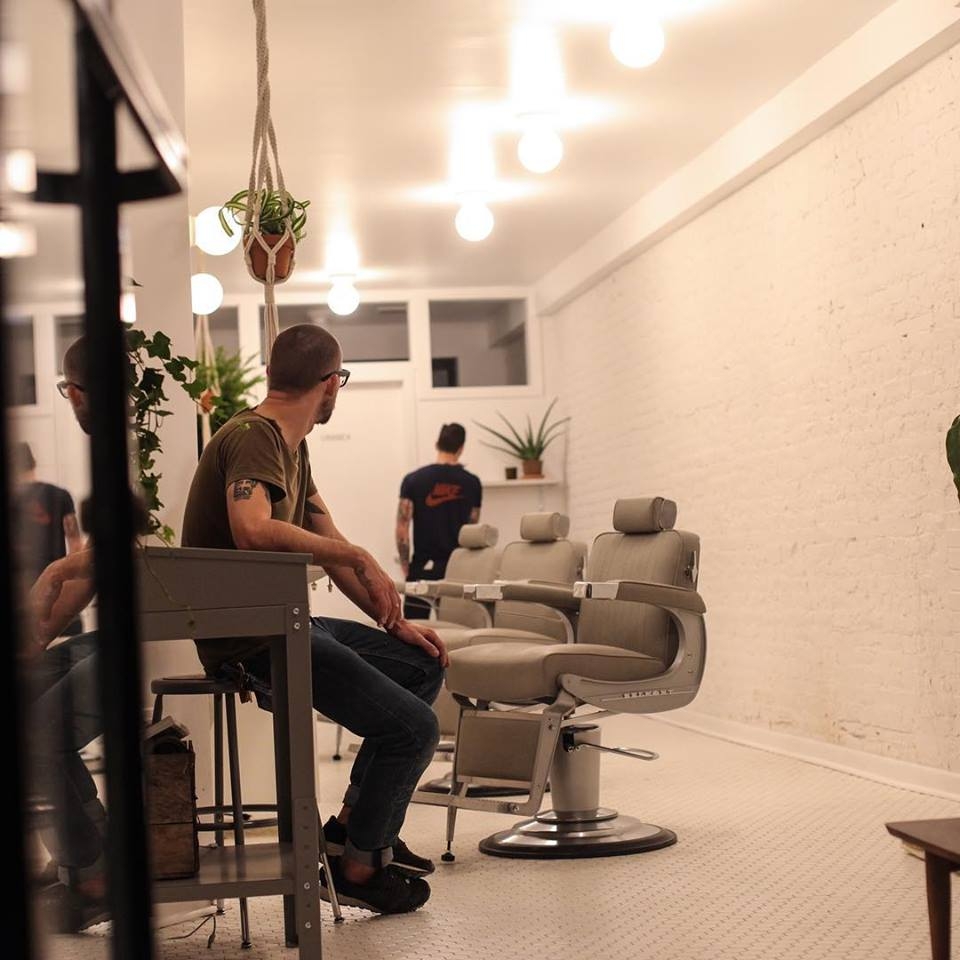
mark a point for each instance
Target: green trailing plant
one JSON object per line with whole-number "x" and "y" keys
{"x": 527, "y": 443}
{"x": 276, "y": 206}
{"x": 233, "y": 378}
{"x": 149, "y": 363}
{"x": 953, "y": 452}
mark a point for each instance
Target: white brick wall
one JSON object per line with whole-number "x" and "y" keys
{"x": 785, "y": 367}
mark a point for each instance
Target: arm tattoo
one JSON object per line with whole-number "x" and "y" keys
{"x": 243, "y": 489}
{"x": 404, "y": 513}
{"x": 315, "y": 508}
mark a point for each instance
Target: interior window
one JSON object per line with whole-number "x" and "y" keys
{"x": 478, "y": 343}
{"x": 22, "y": 363}
{"x": 374, "y": 331}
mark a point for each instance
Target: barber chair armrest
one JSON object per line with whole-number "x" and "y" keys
{"x": 661, "y": 595}
{"x": 484, "y": 592}
{"x": 433, "y": 589}
{"x": 557, "y": 595}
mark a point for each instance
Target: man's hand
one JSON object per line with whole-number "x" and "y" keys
{"x": 45, "y": 592}
{"x": 423, "y": 637}
{"x": 380, "y": 588}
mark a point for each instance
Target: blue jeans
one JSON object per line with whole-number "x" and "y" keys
{"x": 65, "y": 716}
{"x": 380, "y": 689}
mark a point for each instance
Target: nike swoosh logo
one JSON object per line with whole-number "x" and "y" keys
{"x": 434, "y": 500}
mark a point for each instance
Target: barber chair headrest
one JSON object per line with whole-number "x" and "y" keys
{"x": 475, "y": 536}
{"x": 644, "y": 515}
{"x": 544, "y": 527}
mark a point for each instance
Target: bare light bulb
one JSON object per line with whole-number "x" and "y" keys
{"x": 474, "y": 221}
{"x": 20, "y": 171}
{"x": 540, "y": 149}
{"x": 17, "y": 240}
{"x": 206, "y": 293}
{"x": 344, "y": 297}
{"x": 209, "y": 234}
{"x": 637, "y": 41}
{"x": 128, "y": 307}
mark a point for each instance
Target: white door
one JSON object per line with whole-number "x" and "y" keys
{"x": 358, "y": 461}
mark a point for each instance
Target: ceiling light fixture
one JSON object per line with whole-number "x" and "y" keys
{"x": 209, "y": 235}
{"x": 17, "y": 240}
{"x": 474, "y": 220}
{"x": 538, "y": 91}
{"x": 206, "y": 294}
{"x": 637, "y": 41}
{"x": 472, "y": 173}
{"x": 128, "y": 307}
{"x": 343, "y": 298}
{"x": 540, "y": 148}
{"x": 20, "y": 171}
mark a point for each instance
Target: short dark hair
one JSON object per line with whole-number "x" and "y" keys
{"x": 452, "y": 437}
{"x": 301, "y": 356}
{"x": 23, "y": 459}
{"x": 75, "y": 361}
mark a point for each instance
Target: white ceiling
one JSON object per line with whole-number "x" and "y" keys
{"x": 364, "y": 93}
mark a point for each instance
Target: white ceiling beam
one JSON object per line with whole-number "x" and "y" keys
{"x": 889, "y": 48}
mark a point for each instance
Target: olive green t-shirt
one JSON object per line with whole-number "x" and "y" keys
{"x": 246, "y": 447}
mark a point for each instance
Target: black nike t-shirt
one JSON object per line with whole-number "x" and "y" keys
{"x": 41, "y": 508}
{"x": 443, "y": 496}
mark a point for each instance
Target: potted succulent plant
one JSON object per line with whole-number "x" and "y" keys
{"x": 276, "y": 208}
{"x": 528, "y": 446}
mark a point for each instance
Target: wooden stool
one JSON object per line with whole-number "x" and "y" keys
{"x": 940, "y": 842}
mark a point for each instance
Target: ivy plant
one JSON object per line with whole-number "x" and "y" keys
{"x": 149, "y": 363}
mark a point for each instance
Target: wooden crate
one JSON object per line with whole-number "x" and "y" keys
{"x": 172, "y": 815}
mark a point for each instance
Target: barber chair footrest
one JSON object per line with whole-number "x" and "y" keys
{"x": 600, "y": 833}
{"x": 443, "y": 784}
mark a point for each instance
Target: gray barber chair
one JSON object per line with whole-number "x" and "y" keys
{"x": 543, "y": 555}
{"x": 526, "y": 710}
{"x": 474, "y": 561}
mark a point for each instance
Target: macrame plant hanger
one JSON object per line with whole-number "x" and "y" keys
{"x": 262, "y": 174}
{"x": 206, "y": 356}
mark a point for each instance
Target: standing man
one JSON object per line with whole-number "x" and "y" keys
{"x": 439, "y": 498}
{"x": 46, "y": 519}
{"x": 253, "y": 490}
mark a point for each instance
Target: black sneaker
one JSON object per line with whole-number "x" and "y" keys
{"x": 405, "y": 859}
{"x": 64, "y": 910}
{"x": 335, "y": 835}
{"x": 389, "y": 891}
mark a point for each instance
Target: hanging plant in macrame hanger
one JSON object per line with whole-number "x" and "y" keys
{"x": 271, "y": 220}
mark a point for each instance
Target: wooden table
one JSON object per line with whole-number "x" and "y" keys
{"x": 940, "y": 842}
{"x": 209, "y": 594}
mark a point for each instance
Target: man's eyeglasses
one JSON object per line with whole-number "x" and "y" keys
{"x": 344, "y": 376}
{"x": 64, "y": 385}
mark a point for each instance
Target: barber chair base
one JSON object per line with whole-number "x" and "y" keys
{"x": 600, "y": 833}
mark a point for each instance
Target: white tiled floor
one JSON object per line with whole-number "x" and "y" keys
{"x": 776, "y": 859}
